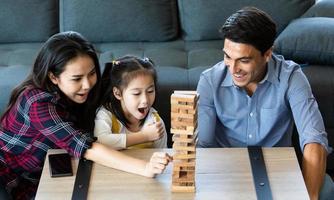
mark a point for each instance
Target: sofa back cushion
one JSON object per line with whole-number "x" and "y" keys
{"x": 323, "y": 8}
{"x": 201, "y": 19}
{"x": 120, "y": 20}
{"x": 28, "y": 20}
{"x": 308, "y": 40}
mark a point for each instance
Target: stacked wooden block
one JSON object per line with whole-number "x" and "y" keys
{"x": 184, "y": 130}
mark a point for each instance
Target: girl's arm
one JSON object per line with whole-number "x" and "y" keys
{"x": 103, "y": 130}
{"x": 118, "y": 160}
{"x": 149, "y": 133}
{"x": 162, "y": 142}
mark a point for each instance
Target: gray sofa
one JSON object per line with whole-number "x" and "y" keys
{"x": 180, "y": 36}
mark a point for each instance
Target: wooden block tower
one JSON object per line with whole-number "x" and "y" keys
{"x": 184, "y": 130}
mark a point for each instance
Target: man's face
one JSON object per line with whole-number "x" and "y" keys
{"x": 245, "y": 63}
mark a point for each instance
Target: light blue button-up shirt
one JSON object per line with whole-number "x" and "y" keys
{"x": 229, "y": 117}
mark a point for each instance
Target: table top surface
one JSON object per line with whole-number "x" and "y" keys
{"x": 221, "y": 173}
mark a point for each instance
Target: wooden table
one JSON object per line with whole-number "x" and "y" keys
{"x": 221, "y": 173}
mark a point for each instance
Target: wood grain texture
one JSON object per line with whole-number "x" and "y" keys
{"x": 221, "y": 173}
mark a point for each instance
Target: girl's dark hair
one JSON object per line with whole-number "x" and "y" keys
{"x": 250, "y": 26}
{"x": 56, "y": 52}
{"x": 119, "y": 74}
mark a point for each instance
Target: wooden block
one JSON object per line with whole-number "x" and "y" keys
{"x": 187, "y": 148}
{"x": 182, "y": 130}
{"x": 183, "y": 115}
{"x": 184, "y": 156}
{"x": 192, "y": 183}
{"x": 185, "y": 160}
{"x": 177, "y": 122}
{"x": 189, "y": 98}
{"x": 176, "y": 188}
{"x": 177, "y": 165}
{"x": 183, "y": 124}
{"x": 183, "y": 110}
{"x": 193, "y": 92}
{"x": 186, "y": 121}
{"x": 183, "y": 181}
{"x": 183, "y": 143}
{"x": 184, "y": 102}
{"x": 182, "y": 152}
{"x": 186, "y": 168}
{"x": 183, "y": 138}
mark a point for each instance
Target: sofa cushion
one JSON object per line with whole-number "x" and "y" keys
{"x": 323, "y": 8}
{"x": 16, "y": 60}
{"x": 28, "y": 20}
{"x": 201, "y": 19}
{"x": 308, "y": 40}
{"x": 120, "y": 20}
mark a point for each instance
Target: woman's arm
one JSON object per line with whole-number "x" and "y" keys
{"x": 118, "y": 160}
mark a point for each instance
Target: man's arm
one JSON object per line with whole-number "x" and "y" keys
{"x": 314, "y": 167}
{"x": 311, "y": 129}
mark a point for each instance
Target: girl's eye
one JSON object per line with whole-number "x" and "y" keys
{"x": 136, "y": 94}
{"x": 150, "y": 91}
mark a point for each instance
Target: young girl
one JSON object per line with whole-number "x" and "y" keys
{"x": 54, "y": 108}
{"x": 127, "y": 118}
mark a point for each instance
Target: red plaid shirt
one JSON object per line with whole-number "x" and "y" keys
{"x": 37, "y": 122}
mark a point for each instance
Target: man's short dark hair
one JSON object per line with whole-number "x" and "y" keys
{"x": 251, "y": 26}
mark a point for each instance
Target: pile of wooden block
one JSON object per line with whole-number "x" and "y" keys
{"x": 184, "y": 130}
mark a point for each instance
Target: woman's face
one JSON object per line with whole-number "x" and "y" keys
{"x": 77, "y": 79}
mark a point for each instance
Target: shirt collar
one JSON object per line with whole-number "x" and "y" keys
{"x": 272, "y": 72}
{"x": 270, "y": 76}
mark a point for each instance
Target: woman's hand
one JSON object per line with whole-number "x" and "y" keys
{"x": 157, "y": 164}
{"x": 153, "y": 131}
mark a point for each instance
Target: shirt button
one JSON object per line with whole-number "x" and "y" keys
{"x": 250, "y": 136}
{"x": 251, "y": 114}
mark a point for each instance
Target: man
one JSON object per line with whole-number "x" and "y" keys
{"x": 254, "y": 97}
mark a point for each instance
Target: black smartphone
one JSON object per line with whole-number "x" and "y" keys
{"x": 60, "y": 165}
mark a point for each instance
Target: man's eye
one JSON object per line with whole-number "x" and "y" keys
{"x": 76, "y": 79}
{"x": 244, "y": 61}
{"x": 136, "y": 94}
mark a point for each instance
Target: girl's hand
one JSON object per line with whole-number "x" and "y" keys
{"x": 157, "y": 164}
{"x": 153, "y": 131}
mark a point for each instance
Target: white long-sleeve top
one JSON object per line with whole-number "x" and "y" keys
{"x": 111, "y": 132}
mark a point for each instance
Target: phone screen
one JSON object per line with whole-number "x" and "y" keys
{"x": 60, "y": 165}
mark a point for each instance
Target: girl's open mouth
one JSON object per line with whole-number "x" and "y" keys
{"x": 142, "y": 110}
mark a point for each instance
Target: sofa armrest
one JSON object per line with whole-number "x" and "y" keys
{"x": 323, "y": 8}
{"x": 308, "y": 40}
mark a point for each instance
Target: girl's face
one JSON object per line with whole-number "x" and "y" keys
{"x": 137, "y": 98}
{"x": 78, "y": 78}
